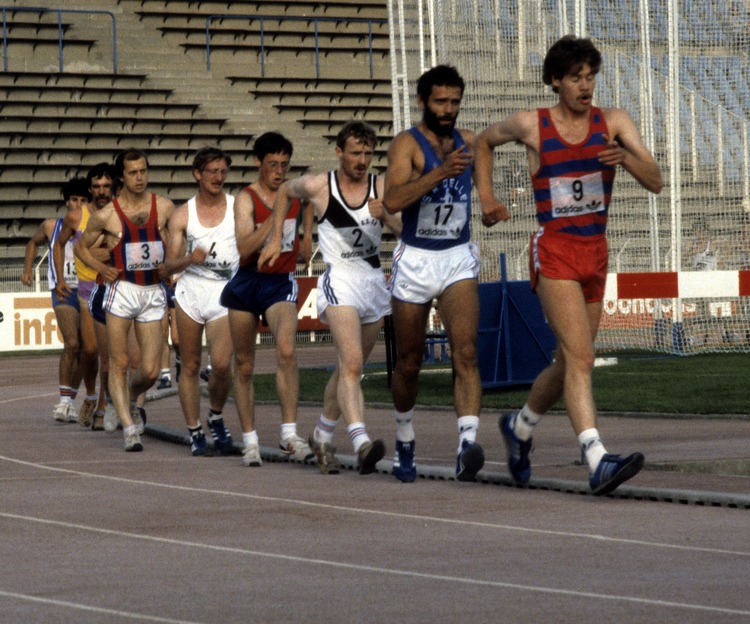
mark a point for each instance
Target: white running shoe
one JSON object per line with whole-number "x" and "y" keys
{"x": 135, "y": 414}
{"x": 251, "y": 455}
{"x": 297, "y": 448}
{"x": 60, "y": 411}
{"x": 72, "y": 413}
{"x": 133, "y": 442}
{"x": 110, "y": 418}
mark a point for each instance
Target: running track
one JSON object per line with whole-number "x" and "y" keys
{"x": 91, "y": 534}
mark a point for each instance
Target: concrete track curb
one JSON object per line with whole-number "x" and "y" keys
{"x": 684, "y": 497}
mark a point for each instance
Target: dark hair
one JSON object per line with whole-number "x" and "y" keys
{"x": 568, "y": 55}
{"x": 441, "y": 76}
{"x": 271, "y": 143}
{"x": 75, "y": 186}
{"x": 103, "y": 169}
{"x": 208, "y": 154}
{"x": 359, "y": 130}
{"x": 130, "y": 154}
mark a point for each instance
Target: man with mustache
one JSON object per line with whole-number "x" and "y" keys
{"x": 132, "y": 226}
{"x": 573, "y": 150}
{"x": 352, "y": 295}
{"x": 428, "y": 181}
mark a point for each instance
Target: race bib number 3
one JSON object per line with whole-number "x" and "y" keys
{"x": 441, "y": 221}
{"x": 572, "y": 196}
{"x": 145, "y": 256}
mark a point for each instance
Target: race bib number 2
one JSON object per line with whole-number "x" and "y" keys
{"x": 573, "y": 196}
{"x": 144, "y": 256}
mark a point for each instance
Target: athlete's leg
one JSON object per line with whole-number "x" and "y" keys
{"x": 219, "y": 340}
{"x": 89, "y": 360}
{"x": 150, "y": 340}
{"x": 117, "y": 343}
{"x": 282, "y": 321}
{"x": 243, "y": 327}
{"x": 409, "y": 322}
{"x": 575, "y": 324}
{"x": 346, "y": 331}
{"x": 459, "y": 311}
{"x": 68, "y": 320}
{"x": 189, "y": 388}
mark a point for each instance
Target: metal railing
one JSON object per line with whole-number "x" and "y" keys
{"x": 6, "y": 10}
{"x": 282, "y": 18}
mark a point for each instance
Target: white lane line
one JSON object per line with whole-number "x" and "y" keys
{"x": 141, "y": 617}
{"x": 379, "y": 570}
{"x": 378, "y": 512}
{"x": 28, "y": 398}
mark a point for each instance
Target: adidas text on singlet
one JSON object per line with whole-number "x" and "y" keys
{"x": 440, "y": 219}
{"x": 572, "y": 188}
{"x": 349, "y": 235}
{"x": 222, "y": 257}
{"x": 140, "y": 250}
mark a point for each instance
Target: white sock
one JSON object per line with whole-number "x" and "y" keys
{"x": 524, "y": 423}
{"x": 250, "y": 437}
{"x": 404, "y": 426}
{"x": 358, "y": 435}
{"x": 592, "y": 447}
{"x": 324, "y": 430}
{"x": 126, "y": 431}
{"x": 288, "y": 430}
{"x": 467, "y": 429}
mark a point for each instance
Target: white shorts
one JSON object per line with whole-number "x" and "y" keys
{"x": 420, "y": 275}
{"x": 144, "y": 304}
{"x": 199, "y": 297}
{"x": 360, "y": 288}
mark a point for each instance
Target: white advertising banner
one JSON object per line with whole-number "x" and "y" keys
{"x": 27, "y": 322}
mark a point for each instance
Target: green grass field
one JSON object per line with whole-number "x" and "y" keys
{"x": 701, "y": 384}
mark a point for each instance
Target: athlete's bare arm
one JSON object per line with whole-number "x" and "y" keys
{"x": 249, "y": 235}
{"x": 41, "y": 236}
{"x": 625, "y": 148}
{"x": 176, "y": 260}
{"x": 518, "y": 128}
{"x": 404, "y": 182}
{"x": 377, "y": 211}
{"x": 311, "y": 188}
{"x": 100, "y": 224}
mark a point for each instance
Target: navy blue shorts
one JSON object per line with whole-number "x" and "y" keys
{"x": 72, "y": 299}
{"x": 96, "y": 304}
{"x": 250, "y": 291}
{"x": 170, "y": 297}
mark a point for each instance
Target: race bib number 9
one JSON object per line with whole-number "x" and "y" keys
{"x": 576, "y": 196}
{"x": 441, "y": 221}
{"x": 145, "y": 256}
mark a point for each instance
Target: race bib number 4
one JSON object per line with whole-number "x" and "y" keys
{"x": 145, "y": 256}
{"x": 441, "y": 221}
{"x": 576, "y": 196}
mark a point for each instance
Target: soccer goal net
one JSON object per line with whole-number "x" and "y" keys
{"x": 676, "y": 281}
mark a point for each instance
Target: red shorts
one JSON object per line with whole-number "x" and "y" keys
{"x": 567, "y": 258}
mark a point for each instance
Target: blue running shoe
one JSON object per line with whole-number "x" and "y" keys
{"x": 518, "y": 450}
{"x": 403, "y": 463}
{"x": 164, "y": 383}
{"x": 614, "y": 470}
{"x": 222, "y": 438}
{"x": 200, "y": 447}
{"x": 469, "y": 461}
